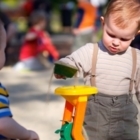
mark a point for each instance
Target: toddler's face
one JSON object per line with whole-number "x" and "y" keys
{"x": 2, "y": 45}
{"x": 115, "y": 39}
{"x": 43, "y": 24}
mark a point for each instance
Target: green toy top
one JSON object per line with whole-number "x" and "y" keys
{"x": 64, "y": 69}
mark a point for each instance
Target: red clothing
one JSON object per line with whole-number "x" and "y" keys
{"x": 40, "y": 44}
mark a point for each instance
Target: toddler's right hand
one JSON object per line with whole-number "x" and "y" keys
{"x": 33, "y": 135}
{"x": 59, "y": 76}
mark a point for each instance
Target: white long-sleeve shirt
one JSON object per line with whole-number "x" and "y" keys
{"x": 113, "y": 72}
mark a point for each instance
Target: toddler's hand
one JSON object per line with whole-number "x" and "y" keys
{"x": 33, "y": 135}
{"x": 59, "y": 76}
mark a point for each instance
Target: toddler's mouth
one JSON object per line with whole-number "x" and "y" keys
{"x": 112, "y": 49}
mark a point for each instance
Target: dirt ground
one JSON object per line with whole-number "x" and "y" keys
{"x": 30, "y": 103}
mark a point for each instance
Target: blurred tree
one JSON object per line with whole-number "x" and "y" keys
{"x": 11, "y": 3}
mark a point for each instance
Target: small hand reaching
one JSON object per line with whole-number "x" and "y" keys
{"x": 59, "y": 76}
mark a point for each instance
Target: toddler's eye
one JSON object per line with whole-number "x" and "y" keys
{"x": 111, "y": 35}
{"x": 123, "y": 39}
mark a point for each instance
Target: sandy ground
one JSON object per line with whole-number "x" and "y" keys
{"x": 29, "y": 100}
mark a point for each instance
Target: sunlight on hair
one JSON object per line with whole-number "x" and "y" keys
{"x": 124, "y": 12}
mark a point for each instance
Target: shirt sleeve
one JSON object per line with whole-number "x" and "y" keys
{"x": 82, "y": 59}
{"x": 48, "y": 46}
{"x": 4, "y": 103}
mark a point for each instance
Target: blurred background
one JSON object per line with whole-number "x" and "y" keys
{"x": 65, "y": 18}
{"x": 51, "y": 29}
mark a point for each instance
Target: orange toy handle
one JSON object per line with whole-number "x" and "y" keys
{"x": 68, "y": 112}
{"x": 78, "y": 121}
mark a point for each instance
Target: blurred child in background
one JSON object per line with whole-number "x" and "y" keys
{"x": 84, "y": 23}
{"x": 37, "y": 47}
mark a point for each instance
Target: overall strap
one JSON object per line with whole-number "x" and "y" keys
{"x": 134, "y": 66}
{"x": 94, "y": 61}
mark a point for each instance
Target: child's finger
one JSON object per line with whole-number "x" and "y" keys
{"x": 59, "y": 76}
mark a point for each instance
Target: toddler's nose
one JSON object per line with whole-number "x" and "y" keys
{"x": 116, "y": 42}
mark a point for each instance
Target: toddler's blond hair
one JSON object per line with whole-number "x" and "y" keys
{"x": 124, "y": 12}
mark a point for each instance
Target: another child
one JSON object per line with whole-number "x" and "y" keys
{"x": 111, "y": 114}
{"x": 37, "y": 45}
{"x": 9, "y": 128}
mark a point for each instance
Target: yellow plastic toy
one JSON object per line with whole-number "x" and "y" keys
{"x": 74, "y": 112}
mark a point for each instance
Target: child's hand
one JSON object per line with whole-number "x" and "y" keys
{"x": 59, "y": 76}
{"x": 33, "y": 135}
{"x": 75, "y": 31}
{"x": 45, "y": 54}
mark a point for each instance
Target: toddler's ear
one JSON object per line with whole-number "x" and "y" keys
{"x": 102, "y": 20}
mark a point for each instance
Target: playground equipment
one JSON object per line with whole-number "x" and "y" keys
{"x": 74, "y": 112}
